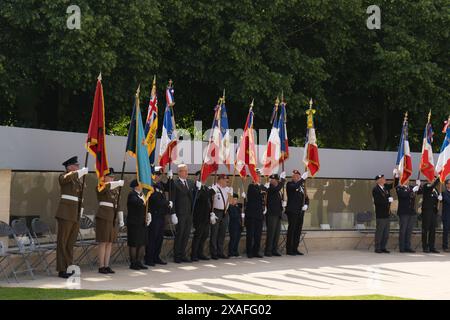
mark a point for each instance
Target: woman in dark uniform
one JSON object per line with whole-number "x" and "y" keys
{"x": 106, "y": 220}
{"x": 136, "y": 226}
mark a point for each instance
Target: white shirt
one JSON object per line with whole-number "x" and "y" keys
{"x": 219, "y": 202}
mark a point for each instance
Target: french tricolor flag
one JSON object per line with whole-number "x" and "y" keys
{"x": 167, "y": 149}
{"x": 271, "y": 158}
{"x": 426, "y": 161}
{"x": 404, "y": 161}
{"x": 443, "y": 163}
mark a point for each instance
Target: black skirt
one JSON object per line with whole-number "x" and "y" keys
{"x": 137, "y": 235}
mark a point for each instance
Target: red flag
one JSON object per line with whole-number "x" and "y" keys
{"x": 311, "y": 152}
{"x": 211, "y": 161}
{"x": 95, "y": 143}
{"x": 426, "y": 161}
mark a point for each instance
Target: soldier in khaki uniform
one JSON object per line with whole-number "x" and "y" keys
{"x": 106, "y": 220}
{"x": 68, "y": 214}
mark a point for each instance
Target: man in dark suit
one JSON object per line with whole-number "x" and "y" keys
{"x": 274, "y": 212}
{"x": 182, "y": 197}
{"x": 445, "y": 215}
{"x": 382, "y": 200}
{"x": 254, "y": 217}
{"x": 431, "y": 198}
{"x": 297, "y": 204}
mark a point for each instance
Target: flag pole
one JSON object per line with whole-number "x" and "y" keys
{"x": 309, "y": 114}
{"x": 282, "y": 164}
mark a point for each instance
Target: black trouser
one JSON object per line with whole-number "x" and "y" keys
{"x": 295, "y": 227}
{"x": 253, "y": 240}
{"x": 407, "y": 223}
{"x": 382, "y": 233}
{"x": 273, "y": 224}
{"x": 235, "y": 237}
{"x": 429, "y": 223}
{"x": 155, "y": 236}
{"x": 201, "y": 234}
{"x": 183, "y": 232}
{"x": 218, "y": 232}
{"x": 445, "y": 229}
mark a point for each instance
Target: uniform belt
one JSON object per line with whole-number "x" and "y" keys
{"x": 106, "y": 204}
{"x": 71, "y": 198}
{"x": 219, "y": 209}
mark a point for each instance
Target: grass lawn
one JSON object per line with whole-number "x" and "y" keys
{"x": 66, "y": 294}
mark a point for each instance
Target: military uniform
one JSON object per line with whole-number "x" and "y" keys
{"x": 407, "y": 215}
{"x": 273, "y": 217}
{"x": 202, "y": 209}
{"x": 429, "y": 215}
{"x": 381, "y": 195}
{"x": 254, "y": 217}
{"x": 106, "y": 227}
{"x": 68, "y": 218}
{"x": 297, "y": 198}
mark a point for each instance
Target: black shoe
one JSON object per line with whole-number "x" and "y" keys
{"x": 161, "y": 261}
{"x": 186, "y": 259}
{"x": 385, "y": 251}
{"x": 426, "y": 250}
{"x": 215, "y": 257}
{"x": 203, "y": 257}
{"x": 64, "y": 275}
{"x": 150, "y": 264}
{"x": 258, "y": 256}
{"x": 141, "y": 266}
{"x": 403, "y": 251}
{"x": 291, "y": 253}
{"x": 276, "y": 254}
{"x": 222, "y": 256}
{"x": 267, "y": 254}
{"x": 134, "y": 266}
{"x": 378, "y": 251}
{"x": 249, "y": 256}
{"x": 410, "y": 251}
{"x": 194, "y": 259}
{"x": 109, "y": 270}
{"x": 102, "y": 270}
{"x": 177, "y": 260}
{"x": 434, "y": 251}
{"x": 299, "y": 253}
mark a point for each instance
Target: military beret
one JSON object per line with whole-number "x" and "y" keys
{"x": 379, "y": 176}
{"x": 295, "y": 171}
{"x": 274, "y": 176}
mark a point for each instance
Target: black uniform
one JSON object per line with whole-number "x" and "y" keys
{"x": 382, "y": 211}
{"x": 234, "y": 229}
{"x": 254, "y": 216}
{"x": 429, "y": 215}
{"x": 202, "y": 209}
{"x": 273, "y": 218}
{"x": 297, "y": 198}
{"x": 159, "y": 208}
{"x": 407, "y": 215}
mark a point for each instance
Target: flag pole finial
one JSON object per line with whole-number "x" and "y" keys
{"x": 223, "y": 96}
{"x": 170, "y": 83}
{"x": 138, "y": 90}
{"x": 310, "y": 103}
{"x": 99, "y": 78}
{"x": 429, "y": 116}
{"x": 406, "y": 117}
{"x": 154, "y": 80}
{"x": 252, "y": 103}
{"x": 310, "y": 113}
{"x": 282, "y": 96}
{"x": 277, "y": 102}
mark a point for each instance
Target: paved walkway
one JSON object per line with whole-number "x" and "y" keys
{"x": 322, "y": 273}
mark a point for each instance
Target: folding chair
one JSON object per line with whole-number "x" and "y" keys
{"x": 5, "y": 231}
{"x": 45, "y": 240}
{"x": 86, "y": 245}
{"x": 121, "y": 245}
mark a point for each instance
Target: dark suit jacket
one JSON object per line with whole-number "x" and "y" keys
{"x": 445, "y": 205}
{"x": 136, "y": 209}
{"x": 274, "y": 200}
{"x": 296, "y": 196}
{"x": 181, "y": 197}
{"x": 203, "y": 205}
{"x": 158, "y": 204}
{"x": 430, "y": 197}
{"x": 255, "y": 201}
{"x": 406, "y": 199}
{"x": 381, "y": 200}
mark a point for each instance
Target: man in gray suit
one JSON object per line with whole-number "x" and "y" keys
{"x": 181, "y": 194}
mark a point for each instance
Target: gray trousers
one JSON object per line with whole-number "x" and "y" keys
{"x": 407, "y": 223}
{"x": 382, "y": 233}
{"x": 273, "y": 224}
{"x": 218, "y": 232}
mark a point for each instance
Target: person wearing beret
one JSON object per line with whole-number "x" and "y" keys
{"x": 201, "y": 220}
{"x": 297, "y": 204}
{"x": 68, "y": 214}
{"x": 382, "y": 200}
{"x": 137, "y": 220}
{"x": 274, "y": 213}
{"x": 159, "y": 208}
{"x": 106, "y": 220}
{"x": 234, "y": 226}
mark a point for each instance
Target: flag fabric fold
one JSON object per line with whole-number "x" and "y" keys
{"x": 282, "y": 130}
{"x": 311, "y": 151}
{"x": 225, "y": 141}
{"x": 404, "y": 160}
{"x": 167, "y": 150}
{"x": 271, "y": 157}
{"x": 426, "y": 160}
{"x": 213, "y": 157}
{"x": 443, "y": 163}
{"x": 151, "y": 123}
{"x": 96, "y": 142}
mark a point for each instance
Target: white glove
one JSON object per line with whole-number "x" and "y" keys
{"x": 418, "y": 182}
{"x": 174, "y": 218}
{"x": 243, "y": 195}
{"x": 267, "y": 185}
{"x": 121, "y": 222}
{"x": 284, "y": 204}
{"x": 305, "y": 207}
{"x": 212, "y": 218}
{"x": 230, "y": 190}
{"x": 416, "y": 188}
{"x": 242, "y": 215}
{"x": 115, "y": 184}
{"x": 440, "y": 197}
{"x": 305, "y": 175}
{"x": 283, "y": 175}
{"x": 265, "y": 210}
{"x": 149, "y": 218}
{"x": 198, "y": 185}
{"x": 395, "y": 172}
{"x": 170, "y": 174}
{"x": 390, "y": 199}
{"x": 81, "y": 212}
{"x": 170, "y": 204}
{"x": 82, "y": 172}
